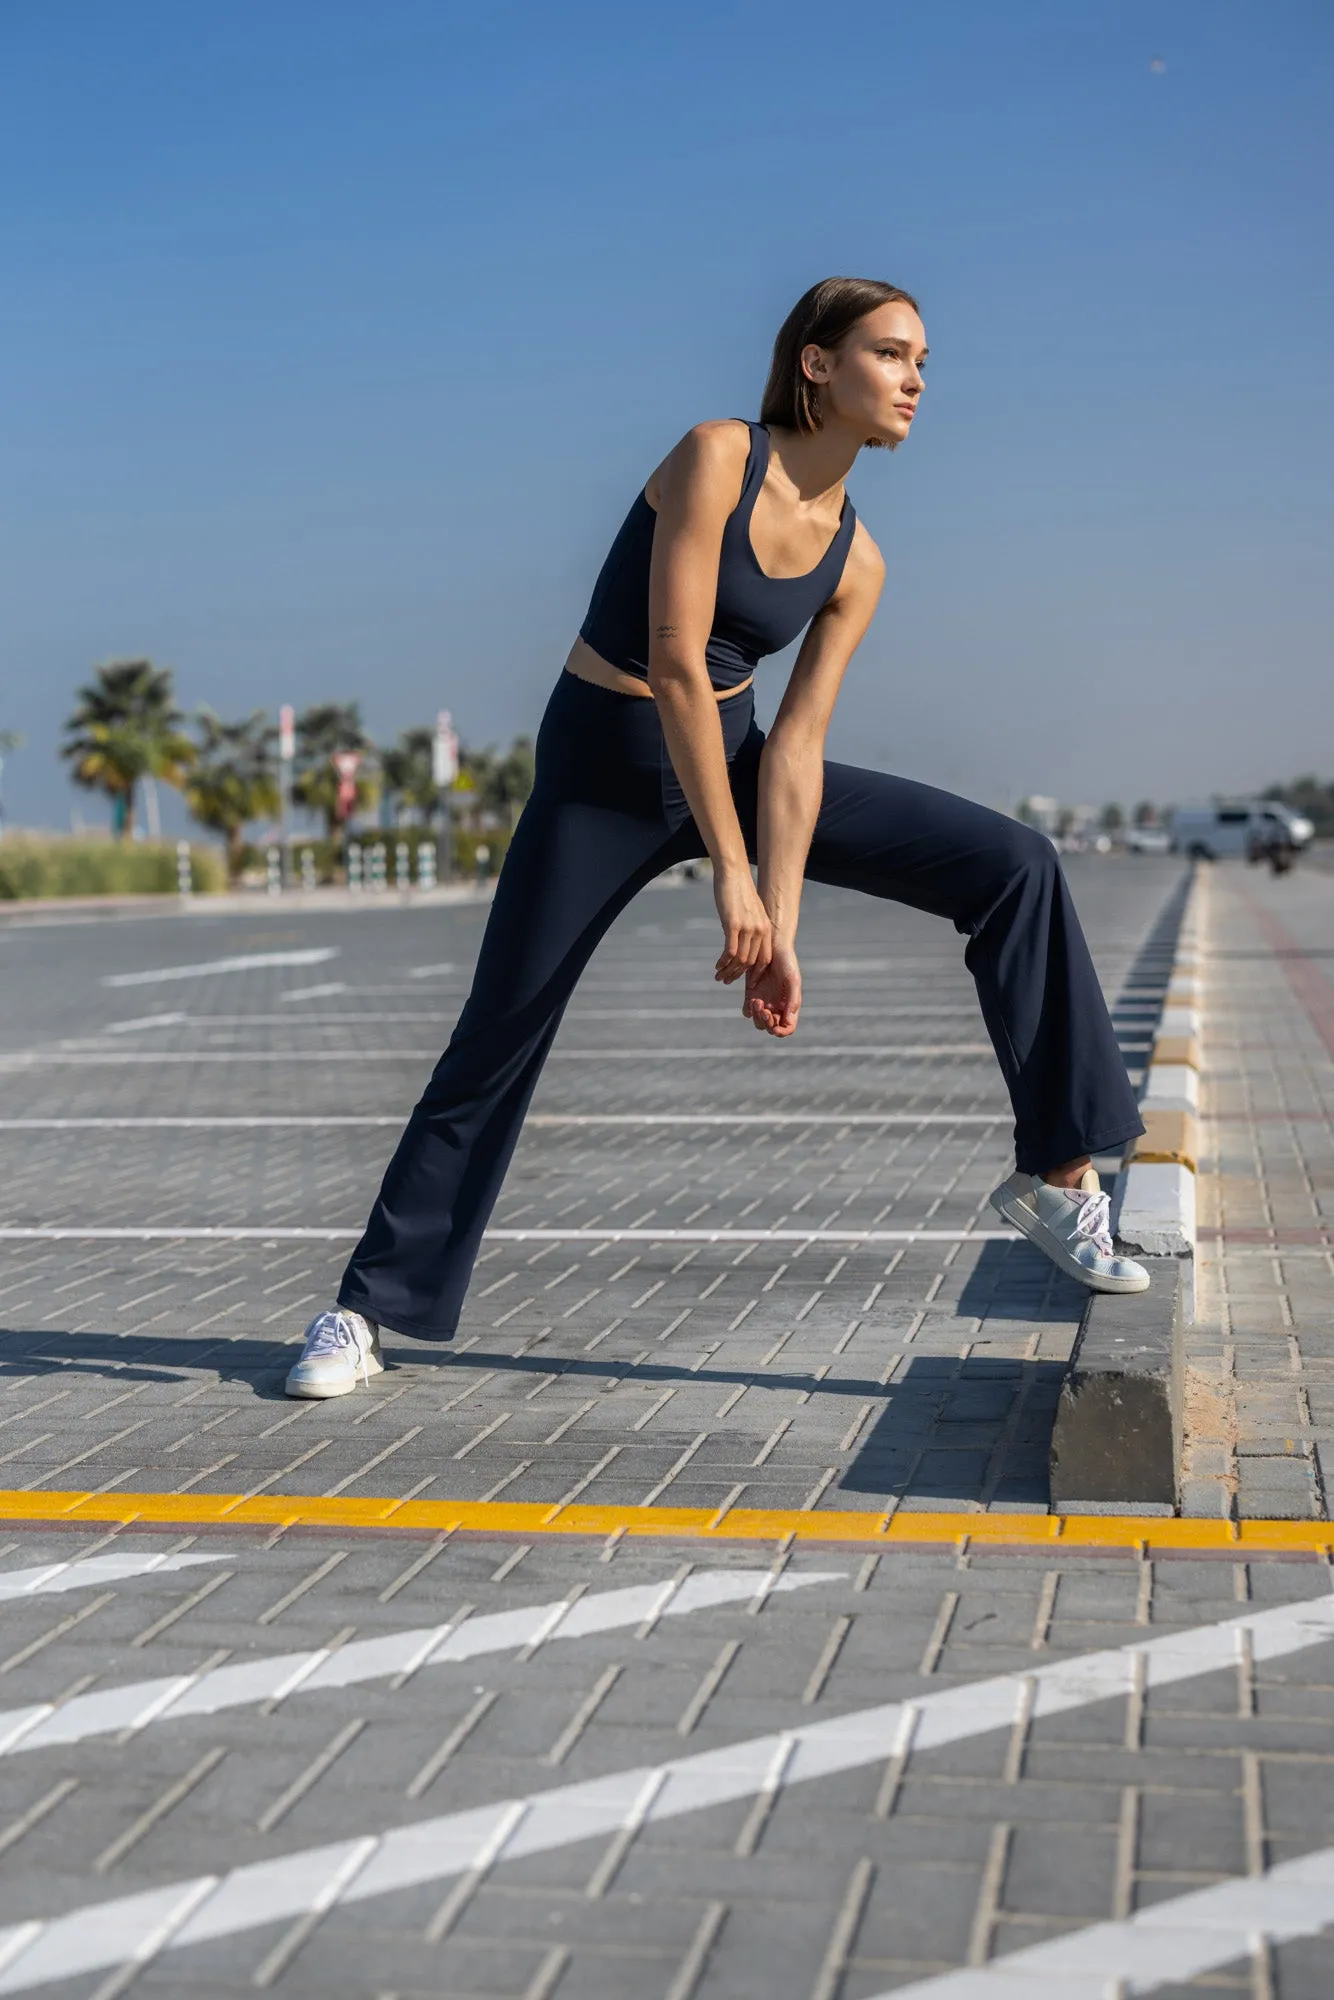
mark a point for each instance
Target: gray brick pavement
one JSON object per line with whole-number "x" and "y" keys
{"x": 847, "y": 1885}
{"x": 1260, "y": 1389}
{"x": 784, "y": 1374}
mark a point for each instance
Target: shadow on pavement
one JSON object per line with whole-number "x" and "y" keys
{"x": 973, "y": 1430}
{"x": 1014, "y": 1281}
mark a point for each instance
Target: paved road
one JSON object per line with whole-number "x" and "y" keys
{"x": 420, "y": 1762}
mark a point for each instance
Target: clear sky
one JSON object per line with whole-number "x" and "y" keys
{"x": 337, "y": 336}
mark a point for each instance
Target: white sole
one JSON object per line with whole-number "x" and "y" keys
{"x": 1029, "y": 1226}
{"x": 313, "y": 1392}
{"x": 322, "y": 1392}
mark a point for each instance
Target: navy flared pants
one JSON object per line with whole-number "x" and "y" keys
{"x": 606, "y": 816}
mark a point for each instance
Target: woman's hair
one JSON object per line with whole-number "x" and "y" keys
{"x": 820, "y": 318}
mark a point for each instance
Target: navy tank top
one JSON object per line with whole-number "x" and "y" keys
{"x": 754, "y": 614}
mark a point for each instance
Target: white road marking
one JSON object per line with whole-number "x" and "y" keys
{"x": 249, "y": 961}
{"x": 1173, "y": 1941}
{"x": 725, "y": 1017}
{"x": 219, "y": 1233}
{"x": 111, "y": 1933}
{"x": 431, "y": 971}
{"x": 44, "y": 1725}
{"x": 769, "y": 1118}
{"x": 313, "y": 993}
{"x": 84, "y": 1575}
{"x": 545, "y": 1118}
{"x": 145, "y": 1021}
{"x": 91, "y": 1061}
{"x": 63, "y": 1059}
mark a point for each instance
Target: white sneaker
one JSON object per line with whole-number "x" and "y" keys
{"x": 341, "y": 1350}
{"x": 1073, "y": 1227}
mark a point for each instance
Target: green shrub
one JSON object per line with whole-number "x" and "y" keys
{"x": 57, "y": 865}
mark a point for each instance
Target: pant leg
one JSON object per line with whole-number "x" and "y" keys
{"x": 592, "y": 835}
{"x": 1001, "y": 884}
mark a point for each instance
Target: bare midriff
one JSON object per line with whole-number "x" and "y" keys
{"x": 587, "y": 665}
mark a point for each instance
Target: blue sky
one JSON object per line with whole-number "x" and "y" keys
{"x": 337, "y": 338}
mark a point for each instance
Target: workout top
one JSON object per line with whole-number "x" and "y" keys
{"x": 754, "y": 613}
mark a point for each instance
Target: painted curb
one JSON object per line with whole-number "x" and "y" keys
{"x": 1116, "y": 1439}
{"x": 1154, "y": 1211}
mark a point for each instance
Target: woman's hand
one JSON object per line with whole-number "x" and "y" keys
{"x": 773, "y": 993}
{"x": 747, "y": 932}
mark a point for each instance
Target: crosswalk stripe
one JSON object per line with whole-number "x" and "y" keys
{"x": 58, "y": 1576}
{"x": 353, "y": 1870}
{"x": 1174, "y": 1941}
{"x": 43, "y": 1725}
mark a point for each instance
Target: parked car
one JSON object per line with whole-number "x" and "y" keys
{"x": 1148, "y": 840}
{"x": 1244, "y": 828}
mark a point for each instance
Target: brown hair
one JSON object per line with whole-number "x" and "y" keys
{"x": 821, "y": 318}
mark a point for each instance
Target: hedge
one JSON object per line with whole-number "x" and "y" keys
{"x": 55, "y": 866}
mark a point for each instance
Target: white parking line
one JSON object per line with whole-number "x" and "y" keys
{"x": 45, "y": 1725}
{"x": 725, "y": 1016}
{"x": 65, "y": 1059}
{"x": 543, "y": 1118}
{"x": 1174, "y": 1941}
{"x": 314, "y": 993}
{"x": 219, "y": 1233}
{"x": 248, "y": 961}
{"x": 308, "y": 1882}
{"x": 106, "y": 1059}
{"x": 143, "y": 1021}
{"x": 92, "y": 1570}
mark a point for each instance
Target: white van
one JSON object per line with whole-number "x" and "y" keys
{"x": 1214, "y": 831}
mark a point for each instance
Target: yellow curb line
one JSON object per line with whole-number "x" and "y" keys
{"x": 1177, "y": 1049}
{"x": 884, "y": 1529}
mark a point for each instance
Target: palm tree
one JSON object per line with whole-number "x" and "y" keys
{"x": 407, "y": 770}
{"x": 321, "y": 732}
{"x": 233, "y": 780}
{"x": 125, "y": 727}
{"x": 9, "y": 740}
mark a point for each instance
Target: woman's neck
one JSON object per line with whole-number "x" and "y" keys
{"x": 814, "y": 461}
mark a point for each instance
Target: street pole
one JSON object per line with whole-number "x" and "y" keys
{"x": 444, "y": 770}
{"x": 286, "y": 753}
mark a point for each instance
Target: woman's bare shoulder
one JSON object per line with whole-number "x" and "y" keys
{"x": 865, "y": 561}
{"x": 711, "y": 453}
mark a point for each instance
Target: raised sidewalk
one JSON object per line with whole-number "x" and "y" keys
{"x": 1259, "y": 1355}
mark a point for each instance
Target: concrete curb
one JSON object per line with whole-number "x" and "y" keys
{"x": 1116, "y": 1441}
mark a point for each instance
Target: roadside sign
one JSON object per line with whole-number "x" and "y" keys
{"x": 346, "y": 763}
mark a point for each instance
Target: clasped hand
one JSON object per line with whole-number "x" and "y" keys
{"x": 751, "y": 951}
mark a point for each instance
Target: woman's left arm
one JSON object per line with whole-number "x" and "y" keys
{"x": 792, "y": 777}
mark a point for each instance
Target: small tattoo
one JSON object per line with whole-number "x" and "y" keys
{"x": 667, "y": 631}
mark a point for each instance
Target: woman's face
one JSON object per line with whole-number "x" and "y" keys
{"x": 872, "y": 380}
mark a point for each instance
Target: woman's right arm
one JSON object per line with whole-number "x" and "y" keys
{"x": 699, "y": 485}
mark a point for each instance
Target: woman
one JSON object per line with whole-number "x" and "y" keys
{"x": 649, "y": 754}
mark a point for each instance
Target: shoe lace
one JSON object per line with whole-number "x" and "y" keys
{"x": 1094, "y": 1220}
{"x": 333, "y": 1332}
